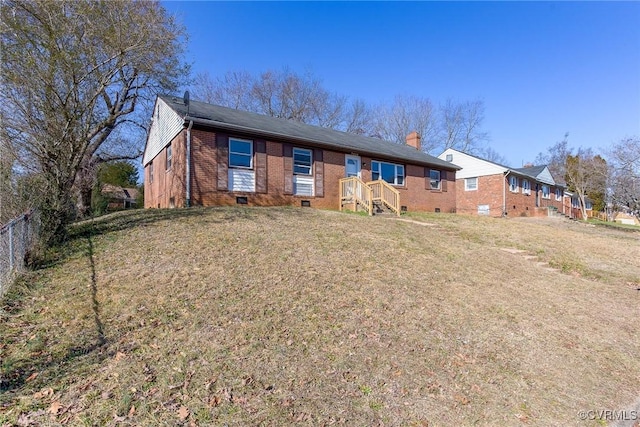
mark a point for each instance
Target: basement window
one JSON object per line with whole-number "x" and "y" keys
{"x": 483, "y": 210}
{"x": 242, "y": 200}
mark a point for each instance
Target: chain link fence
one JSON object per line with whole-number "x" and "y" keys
{"x": 17, "y": 237}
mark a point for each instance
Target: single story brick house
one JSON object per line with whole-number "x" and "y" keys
{"x": 488, "y": 188}
{"x": 207, "y": 155}
{"x": 119, "y": 197}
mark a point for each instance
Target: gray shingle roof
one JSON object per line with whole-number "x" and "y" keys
{"x": 236, "y": 120}
{"x": 532, "y": 171}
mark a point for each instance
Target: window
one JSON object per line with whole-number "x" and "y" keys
{"x": 558, "y": 194}
{"x": 240, "y": 153}
{"x": 302, "y": 161}
{"x": 449, "y": 157}
{"x": 483, "y": 210}
{"x": 513, "y": 184}
{"x": 526, "y": 187}
{"x": 470, "y": 184}
{"x": 545, "y": 192}
{"x": 169, "y": 156}
{"x": 390, "y": 172}
{"x": 151, "y": 172}
{"x": 588, "y": 205}
{"x": 434, "y": 177}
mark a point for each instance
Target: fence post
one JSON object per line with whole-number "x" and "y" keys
{"x": 11, "y": 245}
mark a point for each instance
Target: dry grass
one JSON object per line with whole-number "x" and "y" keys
{"x": 303, "y": 317}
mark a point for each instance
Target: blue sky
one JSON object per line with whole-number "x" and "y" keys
{"x": 542, "y": 68}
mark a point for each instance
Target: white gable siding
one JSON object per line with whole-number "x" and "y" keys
{"x": 546, "y": 177}
{"x": 471, "y": 166}
{"x": 165, "y": 125}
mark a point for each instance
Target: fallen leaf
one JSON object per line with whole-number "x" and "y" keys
{"x": 215, "y": 401}
{"x": 32, "y": 377}
{"x": 45, "y": 392}
{"x": 132, "y": 411}
{"x": 119, "y": 356}
{"x": 183, "y": 413}
{"x": 462, "y": 399}
{"x": 55, "y": 407}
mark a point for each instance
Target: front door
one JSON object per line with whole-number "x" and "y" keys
{"x": 352, "y": 165}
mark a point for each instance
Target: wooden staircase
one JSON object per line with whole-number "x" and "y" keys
{"x": 374, "y": 197}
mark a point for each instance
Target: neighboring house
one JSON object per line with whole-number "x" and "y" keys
{"x": 571, "y": 206}
{"x": 119, "y": 197}
{"x": 626, "y": 218}
{"x": 208, "y": 155}
{"x": 488, "y": 188}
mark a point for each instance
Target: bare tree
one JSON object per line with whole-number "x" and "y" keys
{"x": 358, "y": 118}
{"x": 492, "y": 155}
{"x": 232, "y": 90}
{"x": 556, "y": 158}
{"x": 472, "y": 119}
{"x": 451, "y": 124}
{"x": 461, "y": 126}
{"x": 284, "y": 94}
{"x": 586, "y": 175}
{"x": 407, "y": 114}
{"x": 624, "y": 160}
{"x": 73, "y": 72}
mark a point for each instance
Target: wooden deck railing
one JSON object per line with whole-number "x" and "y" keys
{"x": 386, "y": 194}
{"x": 354, "y": 191}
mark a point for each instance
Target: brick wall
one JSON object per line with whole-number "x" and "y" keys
{"x": 168, "y": 185}
{"x": 205, "y": 189}
{"x": 492, "y": 190}
{"x": 489, "y": 192}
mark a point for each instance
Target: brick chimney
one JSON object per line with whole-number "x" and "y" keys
{"x": 413, "y": 140}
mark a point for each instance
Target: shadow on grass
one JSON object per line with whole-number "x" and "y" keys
{"x": 127, "y": 220}
{"x": 16, "y": 371}
{"x": 93, "y": 348}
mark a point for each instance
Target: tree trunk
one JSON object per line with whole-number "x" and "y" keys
{"x": 83, "y": 202}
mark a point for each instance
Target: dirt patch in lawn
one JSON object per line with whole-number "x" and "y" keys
{"x": 287, "y": 316}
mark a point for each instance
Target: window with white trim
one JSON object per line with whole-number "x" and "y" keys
{"x": 546, "y": 194}
{"x": 390, "y": 172}
{"x": 240, "y": 153}
{"x": 449, "y": 157}
{"x": 302, "y": 161}
{"x": 169, "y": 156}
{"x": 434, "y": 179}
{"x": 513, "y": 184}
{"x": 526, "y": 187}
{"x": 470, "y": 184}
{"x": 558, "y": 194}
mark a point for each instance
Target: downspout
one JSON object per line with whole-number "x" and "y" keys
{"x": 188, "y": 172}
{"x": 504, "y": 193}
